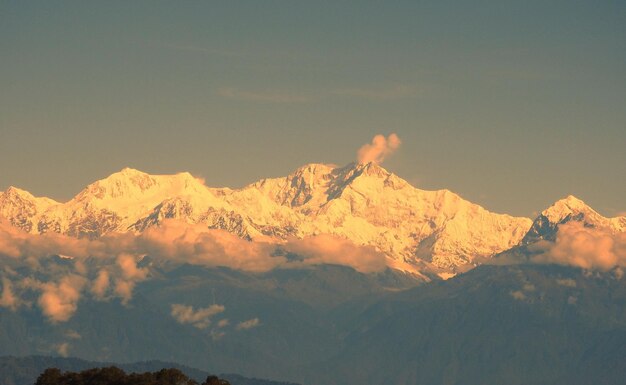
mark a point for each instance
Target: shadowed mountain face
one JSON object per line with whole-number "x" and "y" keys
{"x": 493, "y": 325}
{"x": 523, "y": 324}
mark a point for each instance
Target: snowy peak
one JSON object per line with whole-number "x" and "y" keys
{"x": 15, "y": 200}
{"x": 23, "y": 209}
{"x": 567, "y": 207}
{"x": 124, "y": 183}
{"x": 305, "y": 184}
{"x": 14, "y": 194}
{"x": 545, "y": 226}
{"x": 131, "y": 184}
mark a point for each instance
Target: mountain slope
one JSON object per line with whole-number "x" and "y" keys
{"x": 524, "y": 324}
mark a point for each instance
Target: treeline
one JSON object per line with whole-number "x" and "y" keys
{"x": 115, "y": 376}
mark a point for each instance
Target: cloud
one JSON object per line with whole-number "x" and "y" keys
{"x": 107, "y": 267}
{"x": 200, "y": 318}
{"x": 265, "y": 96}
{"x": 249, "y": 324}
{"x": 396, "y": 92}
{"x": 379, "y": 149}
{"x": 73, "y": 334}
{"x": 584, "y": 247}
{"x": 101, "y": 284}
{"x": 217, "y": 334}
{"x": 196, "y": 244}
{"x": 518, "y": 295}
{"x": 130, "y": 274}
{"x": 567, "y": 282}
{"x": 8, "y": 299}
{"x": 59, "y": 301}
{"x": 63, "y": 349}
{"x": 330, "y": 249}
{"x": 223, "y": 323}
{"x": 178, "y": 241}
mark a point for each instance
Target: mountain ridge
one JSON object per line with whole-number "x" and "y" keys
{"x": 436, "y": 232}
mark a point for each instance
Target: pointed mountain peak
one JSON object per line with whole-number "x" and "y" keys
{"x": 567, "y": 206}
{"x": 315, "y": 168}
{"x": 118, "y": 184}
{"x": 15, "y": 198}
{"x": 129, "y": 171}
{"x": 14, "y": 191}
{"x": 353, "y": 170}
{"x": 570, "y": 208}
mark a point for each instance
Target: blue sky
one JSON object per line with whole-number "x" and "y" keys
{"x": 510, "y": 104}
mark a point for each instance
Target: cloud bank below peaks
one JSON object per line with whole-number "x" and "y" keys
{"x": 379, "y": 149}
{"x": 107, "y": 267}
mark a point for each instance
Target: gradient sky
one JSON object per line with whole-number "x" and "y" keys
{"x": 513, "y": 105}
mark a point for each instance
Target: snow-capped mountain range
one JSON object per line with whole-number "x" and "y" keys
{"x": 419, "y": 231}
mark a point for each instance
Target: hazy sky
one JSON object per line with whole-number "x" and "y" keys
{"x": 513, "y": 105}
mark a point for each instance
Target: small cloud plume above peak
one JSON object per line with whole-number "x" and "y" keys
{"x": 379, "y": 149}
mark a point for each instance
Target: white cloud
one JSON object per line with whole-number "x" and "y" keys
{"x": 379, "y": 149}
{"x": 584, "y": 247}
{"x": 199, "y": 318}
{"x": 107, "y": 267}
{"x": 59, "y": 301}
{"x": 330, "y": 249}
{"x": 101, "y": 284}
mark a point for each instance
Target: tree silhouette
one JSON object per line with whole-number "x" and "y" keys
{"x": 115, "y": 376}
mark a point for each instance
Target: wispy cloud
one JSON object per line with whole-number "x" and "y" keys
{"x": 265, "y": 96}
{"x": 249, "y": 324}
{"x": 399, "y": 91}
